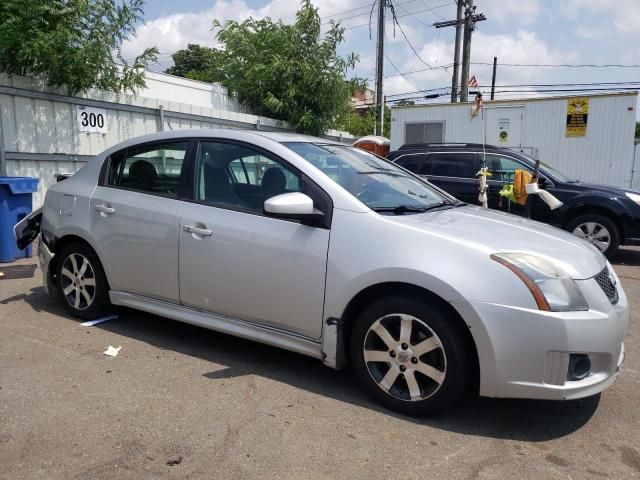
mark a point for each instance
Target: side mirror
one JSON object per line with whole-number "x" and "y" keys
{"x": 295, "y": 206}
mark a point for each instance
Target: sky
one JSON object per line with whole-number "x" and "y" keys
{"x": 516, "y": 31}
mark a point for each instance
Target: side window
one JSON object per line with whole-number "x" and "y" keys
{"x": 428, "y": 132}
{"x": 454, "y": 164}
{"x": 154, "y": 168}
{"x": 502, "y": 168}
{"x": 241, "y": 177}
{"x": 413, "y": 162}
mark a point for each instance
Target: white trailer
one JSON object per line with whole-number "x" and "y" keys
{"x": 592, "y": 141}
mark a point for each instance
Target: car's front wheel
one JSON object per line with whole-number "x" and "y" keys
{"x": 598, "y": 230}
{"x": 410, "y": 355}
{"x": 82, "y": 284}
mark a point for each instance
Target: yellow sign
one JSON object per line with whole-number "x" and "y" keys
{"x": 577, "y": 115}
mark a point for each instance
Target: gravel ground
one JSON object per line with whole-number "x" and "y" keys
{"x": 183, "y": 402}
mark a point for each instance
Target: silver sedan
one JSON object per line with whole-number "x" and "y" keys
{"x": 331, "y": 252}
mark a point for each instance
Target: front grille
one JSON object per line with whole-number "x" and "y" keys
{"x": 607, "y": 285}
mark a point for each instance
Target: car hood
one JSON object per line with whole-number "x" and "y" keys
{"x": 490, "y": 231}
{"x": 608, "y": 189}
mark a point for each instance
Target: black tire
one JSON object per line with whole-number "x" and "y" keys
{"x": 81, "y": 286}
{"x": 596, "y": 218}
{"x": 455, "y": 350}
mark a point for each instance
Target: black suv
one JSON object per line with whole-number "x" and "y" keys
{"x": 606, "y": 216}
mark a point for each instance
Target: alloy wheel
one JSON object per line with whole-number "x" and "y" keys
{"x": 595, "y": 233}
{"x": 78, "y": 281}
{"x": 405, "y": 357}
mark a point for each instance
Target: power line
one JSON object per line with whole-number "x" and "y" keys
{"x": 566, "y": 65}
{"x": 404, "y": 15}
{"x": 360, "y": 14}
{"x": 399, "y": 73}
{"x": 350, "y": 10}
{"x": 632, "y": 84}
{"x": 421, "y": 70}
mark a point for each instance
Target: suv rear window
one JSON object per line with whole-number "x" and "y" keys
{"x": 413, "y": 162}
{"x": 454, "y": 164}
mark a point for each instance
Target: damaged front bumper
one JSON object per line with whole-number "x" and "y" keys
{"x": 45, "y": 256}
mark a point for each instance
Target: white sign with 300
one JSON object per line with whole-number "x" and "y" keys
{"x": 91, "y": 120}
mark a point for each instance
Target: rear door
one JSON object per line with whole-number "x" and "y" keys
{"x": 455, "y": 173}
{"x": 135, "y": 216}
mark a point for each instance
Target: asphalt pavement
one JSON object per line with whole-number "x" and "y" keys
{"x": 182, "y": 402}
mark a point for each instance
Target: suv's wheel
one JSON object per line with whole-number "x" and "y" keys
{"x": 82, "y": 284}
{"x": 598, "y": 230}
{"x": 410, "y": 356}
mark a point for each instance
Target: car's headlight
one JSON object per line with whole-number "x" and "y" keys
{"x": 633, "y": 196}
{"x": 551, "y": 287}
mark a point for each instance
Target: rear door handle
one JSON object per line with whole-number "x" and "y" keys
{"x": 104, "y": 209}
{"x": 203, "y": 232}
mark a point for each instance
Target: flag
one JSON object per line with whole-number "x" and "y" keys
{"x": 473, "y": 82}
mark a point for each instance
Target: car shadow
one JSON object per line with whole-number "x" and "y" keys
{"x": 523, "y": 420}
{"x": 628, "y": 256}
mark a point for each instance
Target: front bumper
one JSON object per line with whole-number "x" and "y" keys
{"x": 45, "y": 256}
{"x": 525, "y": 353}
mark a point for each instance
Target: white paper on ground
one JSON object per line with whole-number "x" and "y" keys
{"x": 91, "y": 323}
{"x": 112, "y": 351}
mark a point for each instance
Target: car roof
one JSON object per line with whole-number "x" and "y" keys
{"x": 448, "y": 146}
{"x": 284, "y": 137}
{"x": 240, "y": 134}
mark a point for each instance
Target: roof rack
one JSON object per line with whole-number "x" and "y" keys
{"x": 417, "y": 146}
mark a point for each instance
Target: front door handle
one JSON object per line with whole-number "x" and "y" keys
{"x": 103, "y": 209}
{"x": 203, "y": 232}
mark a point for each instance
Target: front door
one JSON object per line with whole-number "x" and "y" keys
{"x": 237, "y": 262}
{"x": 135, "y": 215}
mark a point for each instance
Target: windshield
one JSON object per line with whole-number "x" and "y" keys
{"x": 377, "y": 183}
{"x": 561, "y": 177}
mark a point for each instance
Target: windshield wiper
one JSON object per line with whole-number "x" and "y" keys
{"x": 400, "y": 209}
{"x": 384, "y": 171}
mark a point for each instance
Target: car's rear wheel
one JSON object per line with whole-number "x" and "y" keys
{"x": 410, "y": 355}
{"x": 82, "y": 284}
{"x": 598, "y": 230}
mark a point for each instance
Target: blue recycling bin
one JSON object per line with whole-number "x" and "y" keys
{"x": 15, "y": 204}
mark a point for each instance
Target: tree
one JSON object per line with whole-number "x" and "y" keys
{"x": 637, "y": 129}
{"x": 75, "y": 43}
{"x": 361, "y": 124}
{"x": 195, "y": 62}
{"x": 287, "y": 72}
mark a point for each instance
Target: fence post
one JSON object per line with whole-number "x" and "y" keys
{"x": 161, "y": 109}
{"x": 3, "y": 159}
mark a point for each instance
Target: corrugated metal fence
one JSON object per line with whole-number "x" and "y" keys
{"x": 40, "y": 133}
{"x": 635, "y": 182}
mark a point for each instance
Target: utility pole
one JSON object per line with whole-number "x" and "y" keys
{"x": 456, "y": 54}
{"x": 470, "y": 19}
{"x": 493, "y": 77}
{"x": 380, "y": 64}
{"x": 466, "y": 52}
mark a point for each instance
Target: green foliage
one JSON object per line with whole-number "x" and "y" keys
{"x": 637, "y": 129}
{"x": 287, "y": 72}
{"x": 361, "y": 124}
{"x": 195, "y": 62}
{"x": 75, "y": 43}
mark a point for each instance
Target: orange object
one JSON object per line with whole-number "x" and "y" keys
{"x": 520, "y": 180}
{"x": 374, "y": 144}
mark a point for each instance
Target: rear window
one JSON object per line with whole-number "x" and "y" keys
{"x": 454, "y": 164}
{"x": 414, "y": 162}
